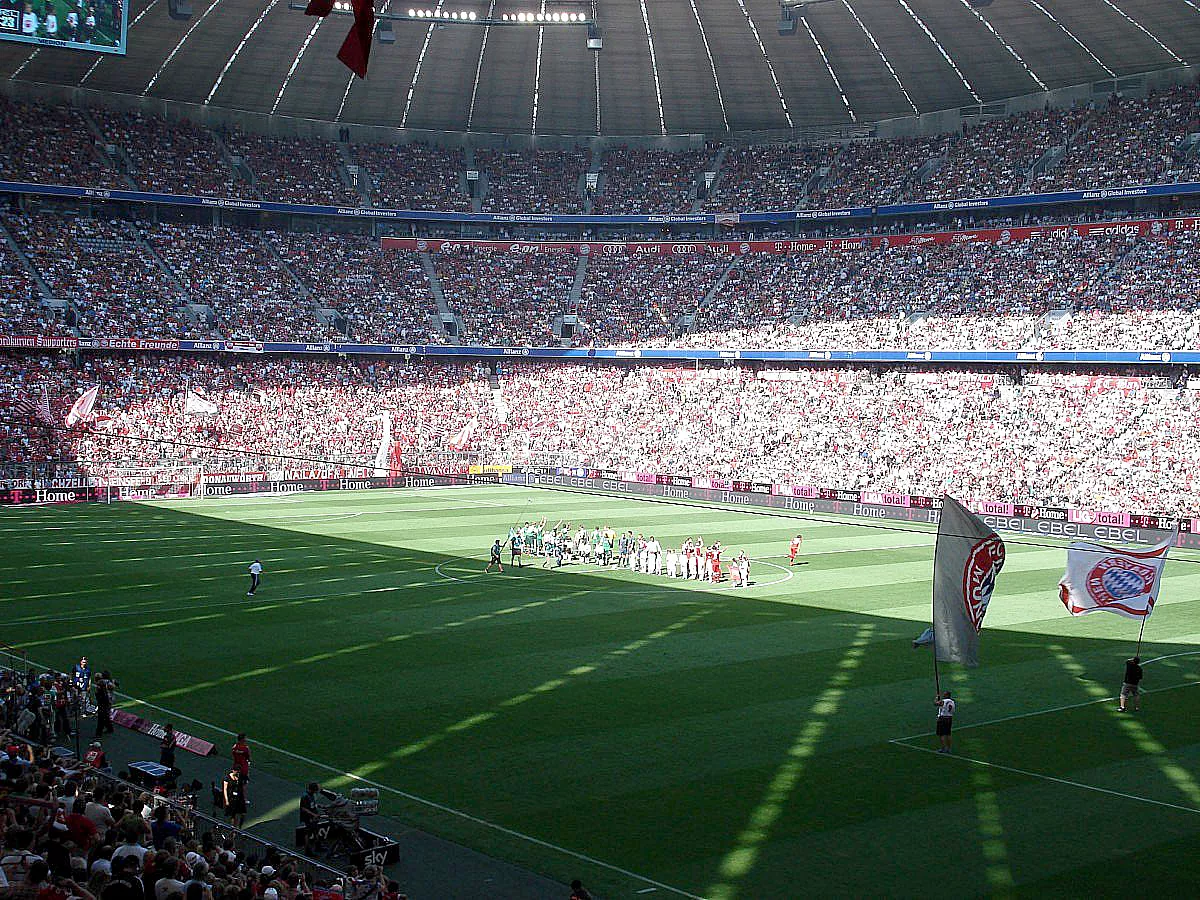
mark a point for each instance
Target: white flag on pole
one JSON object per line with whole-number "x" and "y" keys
{"x": 81, "y": 409}
{"x": 383, "y": 451}
{"x": 463, "y": 436}
{"x": 1120, "y": 581}
{"x": 966, "y": 561}
{"x": 195, "y": 404}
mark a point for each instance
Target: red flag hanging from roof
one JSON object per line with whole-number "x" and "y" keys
{"x": 356, "y": 48}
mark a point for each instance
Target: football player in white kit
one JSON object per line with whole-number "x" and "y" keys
{"x": 670, "y": 562}
{"x": 653, "y": 556}
{"x": 742, "y": 564}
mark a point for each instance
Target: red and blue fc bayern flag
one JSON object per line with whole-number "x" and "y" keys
{"x": 1107, "y": 578}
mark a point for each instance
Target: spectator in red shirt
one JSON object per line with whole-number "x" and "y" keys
{"x": 241, "y": 756}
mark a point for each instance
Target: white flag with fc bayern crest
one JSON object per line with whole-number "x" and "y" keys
{"x": 1106, "y": 578}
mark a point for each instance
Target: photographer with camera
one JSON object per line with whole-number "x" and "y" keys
{"x": 234, "y": 794}
{"x": 106, "y": 689}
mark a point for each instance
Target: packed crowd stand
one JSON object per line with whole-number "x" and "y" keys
{"x": 72, "y": 830}
{"x": 1050, "y": 437}
{"x": 21, "y": 309}
{"x": 1055, "y": 292}
{"x": 780, "y": 172}
{"x": 51, "y": 145}
{"x": 414, "y": 176}
{"x": 1121, "y": 141}
{"x": 649, "y": 181}
{"x": 506, "y": 298}
{"x": 383, "y": 295}
{"x": 172, "y": 157}
{"x": 100, "y": 269}
{"x": 1134, "y": 141}
{"x": 1058, "y": 291}
{"x": 639, "y": 299}
{"x": 293, "y": 169}
{"x": 232, "y": 271}
{"x": 521, "y": 180}
{"x": 995, "y": 158}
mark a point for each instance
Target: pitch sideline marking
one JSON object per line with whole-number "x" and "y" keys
{"x": 1040, "y": 712}
{"x": 433, "y": 804}
{"x": 1051, "y": 778}
{"x": 1170, "y": 656}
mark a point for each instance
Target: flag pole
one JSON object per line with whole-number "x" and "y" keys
{"x": 937, "y": 681}
{"x": 1141, "y": 630}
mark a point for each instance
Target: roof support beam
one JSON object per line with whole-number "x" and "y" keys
{"x": 479, "y": 64}
{"x": 662, "y": 121}
{"x": 287, "y": 79}
{"x": 1140, "y": 27}
{"x": 770, "y": 68}
{"x": 940, "y": 49}
{"x": 1065, "y": 30}
{"x": 887, "y": 62}
{"x": 100, "y": 57}
{"x": 412, "y": 88}
{"x": 829, "y": 68}
{"x": 238, "y": 50}
{"x": 1005, "y": 44}
{"x": 711, "y": 64}
{"x": 183, "y": 40}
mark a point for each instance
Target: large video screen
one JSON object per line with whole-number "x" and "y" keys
{"x": 98, "y": 25}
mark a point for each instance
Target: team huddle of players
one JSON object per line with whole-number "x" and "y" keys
{"x": 606, "y": 547}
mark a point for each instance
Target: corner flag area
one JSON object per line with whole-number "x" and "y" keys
{"x": 654, "y": 736}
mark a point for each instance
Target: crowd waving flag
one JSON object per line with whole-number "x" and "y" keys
{"x": 462, "y": 437}
{"x": 1107, "y": 578}
{"x": 81, "y": 409}
{"x": 38, "y": 409}
{"x": 966, "y": 561}
{"x": 196, "y": 404}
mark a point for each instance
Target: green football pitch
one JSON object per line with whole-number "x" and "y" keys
{"x": 648, "y": 736}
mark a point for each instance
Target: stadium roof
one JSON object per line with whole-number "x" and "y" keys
{"x": 668, "y": 66}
